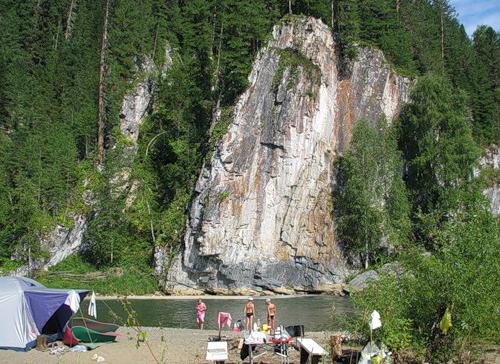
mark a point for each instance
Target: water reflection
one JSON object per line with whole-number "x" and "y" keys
{"x": 313, "y": 311}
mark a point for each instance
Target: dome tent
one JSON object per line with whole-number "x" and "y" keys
{"x": 28, "y": 309}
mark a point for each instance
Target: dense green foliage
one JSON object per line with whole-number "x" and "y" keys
{"x": 437, "y": 144}
{"x": 370, "y": 198}
{"x": 424, "y": 36}
{"x": 486, "y": 113}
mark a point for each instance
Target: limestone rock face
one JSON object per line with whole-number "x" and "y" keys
{"x": 136, "y": 102}
{"x": 135, "y": 105}
{"x": 491, "y": 160}
{"x": 361, "y": 281}
{"x": 60, "y": 243}
{"x": 262, "y": 220}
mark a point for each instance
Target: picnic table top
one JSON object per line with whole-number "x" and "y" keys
{"x": 217, "y": 345}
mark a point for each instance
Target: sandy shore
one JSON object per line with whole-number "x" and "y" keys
{"x": 180, "y": 346}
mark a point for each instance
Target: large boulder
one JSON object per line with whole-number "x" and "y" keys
{"x": 361, "y": 281}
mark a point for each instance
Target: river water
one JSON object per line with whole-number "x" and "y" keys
{"x": 315, "y": 312}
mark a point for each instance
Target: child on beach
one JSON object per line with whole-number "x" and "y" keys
{"x": 271, "y": 312}
{"x": 201, "y": 308}
{"x": 249, "y": 311}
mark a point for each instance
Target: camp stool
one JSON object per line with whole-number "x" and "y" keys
{"x": 310, "y": 351}
{"x": 217, "y": 351}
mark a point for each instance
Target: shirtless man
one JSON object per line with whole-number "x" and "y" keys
{"x": 271, "y": 312}
{"x": 249, "y": 312}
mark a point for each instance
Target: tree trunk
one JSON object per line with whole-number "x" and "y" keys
{"x": 333, "y": 16}
{"x": 151, "y": 226}
{"x": 30, "y": 262}
{"x": 215, "y": 87}
{"x": 102, "y": 71}
{"x": 155, "y": 41}
{"x": 367, "y": 256}
{"x": 69, "y": 21}
{"x": 56, "y": 42}
{"x": 398, "y": 4}
{"x": 442, "y": 40}
{"x": 217, "y": 65}
{"x": 289, "y": 6}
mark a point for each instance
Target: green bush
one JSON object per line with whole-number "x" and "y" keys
{"x": 461, "y": 276}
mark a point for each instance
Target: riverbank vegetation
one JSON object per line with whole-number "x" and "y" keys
{"x": 75, "y": 272}
{"x": 450, "y": 258}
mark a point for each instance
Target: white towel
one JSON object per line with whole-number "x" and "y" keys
{"x": 73, "y": 301}
{"x": 375, "y": 322}
{"x": 92, "y": 311}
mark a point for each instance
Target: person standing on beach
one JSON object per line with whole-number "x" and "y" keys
{"x": 201, "y": 308}
{"x": 271, "y": 313}
{"x": 249, "y": 312}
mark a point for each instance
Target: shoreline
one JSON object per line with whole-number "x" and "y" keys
{"x": 206, "y": 297}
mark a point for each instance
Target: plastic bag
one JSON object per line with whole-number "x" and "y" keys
{"x": 375, "y": 322}
{"x": 445, "y": 323}
{"x": 376, "y": 359}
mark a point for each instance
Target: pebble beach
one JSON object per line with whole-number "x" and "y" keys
{"x": 163, "y": 345}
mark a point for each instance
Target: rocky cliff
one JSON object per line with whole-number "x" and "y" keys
{"x": 490, "y": 161}
{"x": 135, "y": 106}
{"x": 261, "y": 219}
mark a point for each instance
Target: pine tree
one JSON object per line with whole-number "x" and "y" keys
{"x": 348, "y": 26}
{"x": 486, "y": 97}
{"x": 370, "y": 198}
{"x": 381, "y": 26}
{"x": 437, "y": 144}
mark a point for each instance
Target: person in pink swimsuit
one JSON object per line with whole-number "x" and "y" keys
{"x": 201, "y": 308}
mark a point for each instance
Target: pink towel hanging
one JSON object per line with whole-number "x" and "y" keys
{"x": 224, "y": 318}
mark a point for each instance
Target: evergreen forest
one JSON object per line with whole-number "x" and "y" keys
{"x": 407, "y": 192}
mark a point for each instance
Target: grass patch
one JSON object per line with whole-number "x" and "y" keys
{"x": 292, "y": 59}
{"x": 222, "y": 196}
{"x": 220, "y": 129}
{"x": 74, "y": 272}
{"x": 489, "y": 177}
{"x": 7, "y": 265}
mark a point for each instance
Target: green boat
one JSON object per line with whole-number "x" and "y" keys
{"x": 87, "y": 335}
{"x": 93, "y": 324}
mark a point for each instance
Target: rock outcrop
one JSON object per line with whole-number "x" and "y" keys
{"x": 262, "y": 220}
{"x": 360, "y": 282}
{"x": 491, "y": 161}
{"x": 135, "y": 105}
{"x": 60, "y": 243}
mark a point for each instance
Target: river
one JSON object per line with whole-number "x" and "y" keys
{"x": 315, "y": 312}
